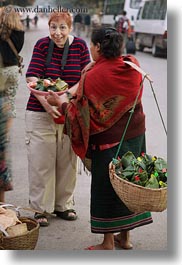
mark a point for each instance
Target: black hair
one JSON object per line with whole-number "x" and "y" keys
{"x": 110, "y": 41}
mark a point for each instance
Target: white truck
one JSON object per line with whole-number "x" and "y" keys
{"x": 151, "y": 26}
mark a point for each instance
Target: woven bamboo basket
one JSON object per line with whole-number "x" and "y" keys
{"x": 26, "y": 241}
{"x": 137, "y": 198}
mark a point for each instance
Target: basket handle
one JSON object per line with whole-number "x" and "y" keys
{"x": 127, "y": 124}
{"x": 137, "y": 68}
{"x": 3, "y": 231}
{"x": 18, "y": 208}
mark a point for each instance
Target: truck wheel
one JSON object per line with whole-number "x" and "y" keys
{"x": 155, "y": 49}
{"x": 139, "y": 47}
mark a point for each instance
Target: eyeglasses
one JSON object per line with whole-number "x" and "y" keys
{"x": 62, "y": 28}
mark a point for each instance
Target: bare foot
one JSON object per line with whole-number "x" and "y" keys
{"x": 99, "y": 247}
{"x": 122, "y": 240}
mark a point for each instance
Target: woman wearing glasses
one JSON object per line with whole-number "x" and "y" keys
{"x": 51, "y": 161}
{"x": 111, "y": 87}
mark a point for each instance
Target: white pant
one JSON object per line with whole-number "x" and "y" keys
{"x": 51, "y": 164}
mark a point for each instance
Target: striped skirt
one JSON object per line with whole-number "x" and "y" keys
{"x": 108, "y": 213}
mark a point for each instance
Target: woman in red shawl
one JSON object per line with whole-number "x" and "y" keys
{"x": 111, "y": 87}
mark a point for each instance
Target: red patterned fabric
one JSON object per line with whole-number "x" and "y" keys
{"x": 111, "y": 87}
{"x": 77, "y": 122}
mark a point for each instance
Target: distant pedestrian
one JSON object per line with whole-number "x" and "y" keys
{"x": 36, "y": 20}
{"x": 87, "y": 23}
{"x": 27, "y": 22}
{"x": 124, "y": 26}
{"x": 95, "y": 21}
{"x": 78, "y": 20}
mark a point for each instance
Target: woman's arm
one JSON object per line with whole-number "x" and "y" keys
{"x": 55, "y": 100}
{"x": 31, "y": 79}
{"x": 38, "y": 57}
{"x": 73, "y": 89}
{"x": 50, "y": 109}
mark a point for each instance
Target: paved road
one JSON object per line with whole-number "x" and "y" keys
{"x": 64, "y": 235}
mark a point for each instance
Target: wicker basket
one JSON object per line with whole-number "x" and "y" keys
{"x": 138, "y": 198}
{"x": 26, "y": 241}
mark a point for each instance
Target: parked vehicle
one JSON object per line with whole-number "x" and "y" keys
{"x": 113, "y": 8}
{"x": 151, "y": 26}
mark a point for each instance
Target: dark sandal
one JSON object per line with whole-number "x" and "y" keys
{"x": 66, "y": 215}
{"x": 41, "y": 219}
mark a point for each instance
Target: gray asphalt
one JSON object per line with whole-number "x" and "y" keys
{"x": 66, "y": 235}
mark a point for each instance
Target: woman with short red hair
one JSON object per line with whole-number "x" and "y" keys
{"x": 51, "y": 160}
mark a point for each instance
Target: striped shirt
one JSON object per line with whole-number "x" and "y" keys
{"x": 78, "y": 58}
